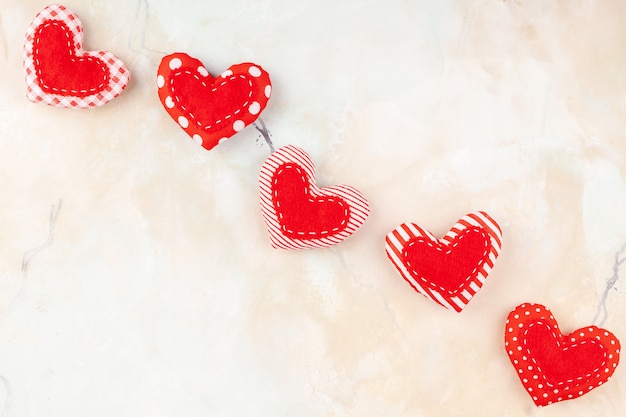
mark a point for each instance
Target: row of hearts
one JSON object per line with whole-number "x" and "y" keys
{"x": 210, "y": 109}
{"x": 60, "y": 73}
{"x": 299, "y": 214}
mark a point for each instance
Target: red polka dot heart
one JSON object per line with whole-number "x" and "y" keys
{"x": 555, "y": 367}
{"x": 211, "y": 109}
{"x": 299, "y": 214}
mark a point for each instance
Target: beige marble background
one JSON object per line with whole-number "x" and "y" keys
{"x": 136, "y": 276}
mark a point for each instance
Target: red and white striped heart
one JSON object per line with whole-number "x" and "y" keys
{"x": 211, "y": 109}
{"x": 59, "y": 72}
{"x": 554, "y": 367}
{"x": 297, "y": 213}
{"x": 451, "y": 270}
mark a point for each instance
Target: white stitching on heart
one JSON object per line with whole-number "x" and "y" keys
{"x": 303, "y": 176}
{"x": 72, "y": 49}
{"x": 448, "y": 249}
{"x": 197, "y": 77}
{"x": 579, "y": 378}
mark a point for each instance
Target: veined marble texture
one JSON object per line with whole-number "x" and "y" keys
{"x": 136, "y": 274}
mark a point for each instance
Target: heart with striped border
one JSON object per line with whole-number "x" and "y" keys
{"x": 297, "y": 213}
{"x": 451, "y": 270}
{"x": 211, "y": 109}
{"x": 554, "y": 367}
{"x": 59, "y": 72}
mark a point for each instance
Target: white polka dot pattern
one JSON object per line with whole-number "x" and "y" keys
{"x": 211, "y": 108}
{"x": 553, "y": 367}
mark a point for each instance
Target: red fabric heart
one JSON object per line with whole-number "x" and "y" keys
{"x": 211, "y": 109}
{"x": 451, "y": 270}
{"x": 298, "y": 214}
{"x": 553, "y": 367}
{"x": 59, "y": 69}
{"x": 59, "y": 72}
{"x": 447, "y": 266}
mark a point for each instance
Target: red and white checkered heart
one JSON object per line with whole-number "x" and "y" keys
{"x": 209, "y": 109}
{"x": 59, "y": 72}
{"x": 451, "y": 270}
{"x": 297, "y": 213}
{"x": 554, "y": 367}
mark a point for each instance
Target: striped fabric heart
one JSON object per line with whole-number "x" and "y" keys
{"x": 554, "y": 367}
{"x": 451, "y": 270}
{"x": 59, "y": 72}
{"x": 297, "y": 213}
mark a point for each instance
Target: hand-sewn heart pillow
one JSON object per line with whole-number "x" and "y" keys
{"x": 59, "y": 72}
{"x": 554, "y": 367}
{"x": 451, "y": 270}
{"x": 300, "y": 215}
{"x": 211, "y": 109}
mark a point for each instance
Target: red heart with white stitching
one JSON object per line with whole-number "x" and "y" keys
{"x": 554, "y": 367}
{"x": 298, "y": 214}
{"x": 59, "y": 72}
{"x": 211, "y": 109}
{"x": 451, "y": 270}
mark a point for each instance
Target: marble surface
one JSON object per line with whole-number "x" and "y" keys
{"x": 136, "y": 275}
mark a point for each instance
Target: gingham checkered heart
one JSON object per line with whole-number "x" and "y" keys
{"x": 451, "y": 270}
{"x": 298, "y": 214}
{"x": 59, "y": 72}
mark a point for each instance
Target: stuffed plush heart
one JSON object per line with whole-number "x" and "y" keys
{"x": 211, "y": 109}
{"x": 298, "y": 214}
{"x": 59, "y": 72}
{"x": 451, "y": 270}
{"x": 553, "y": 367}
